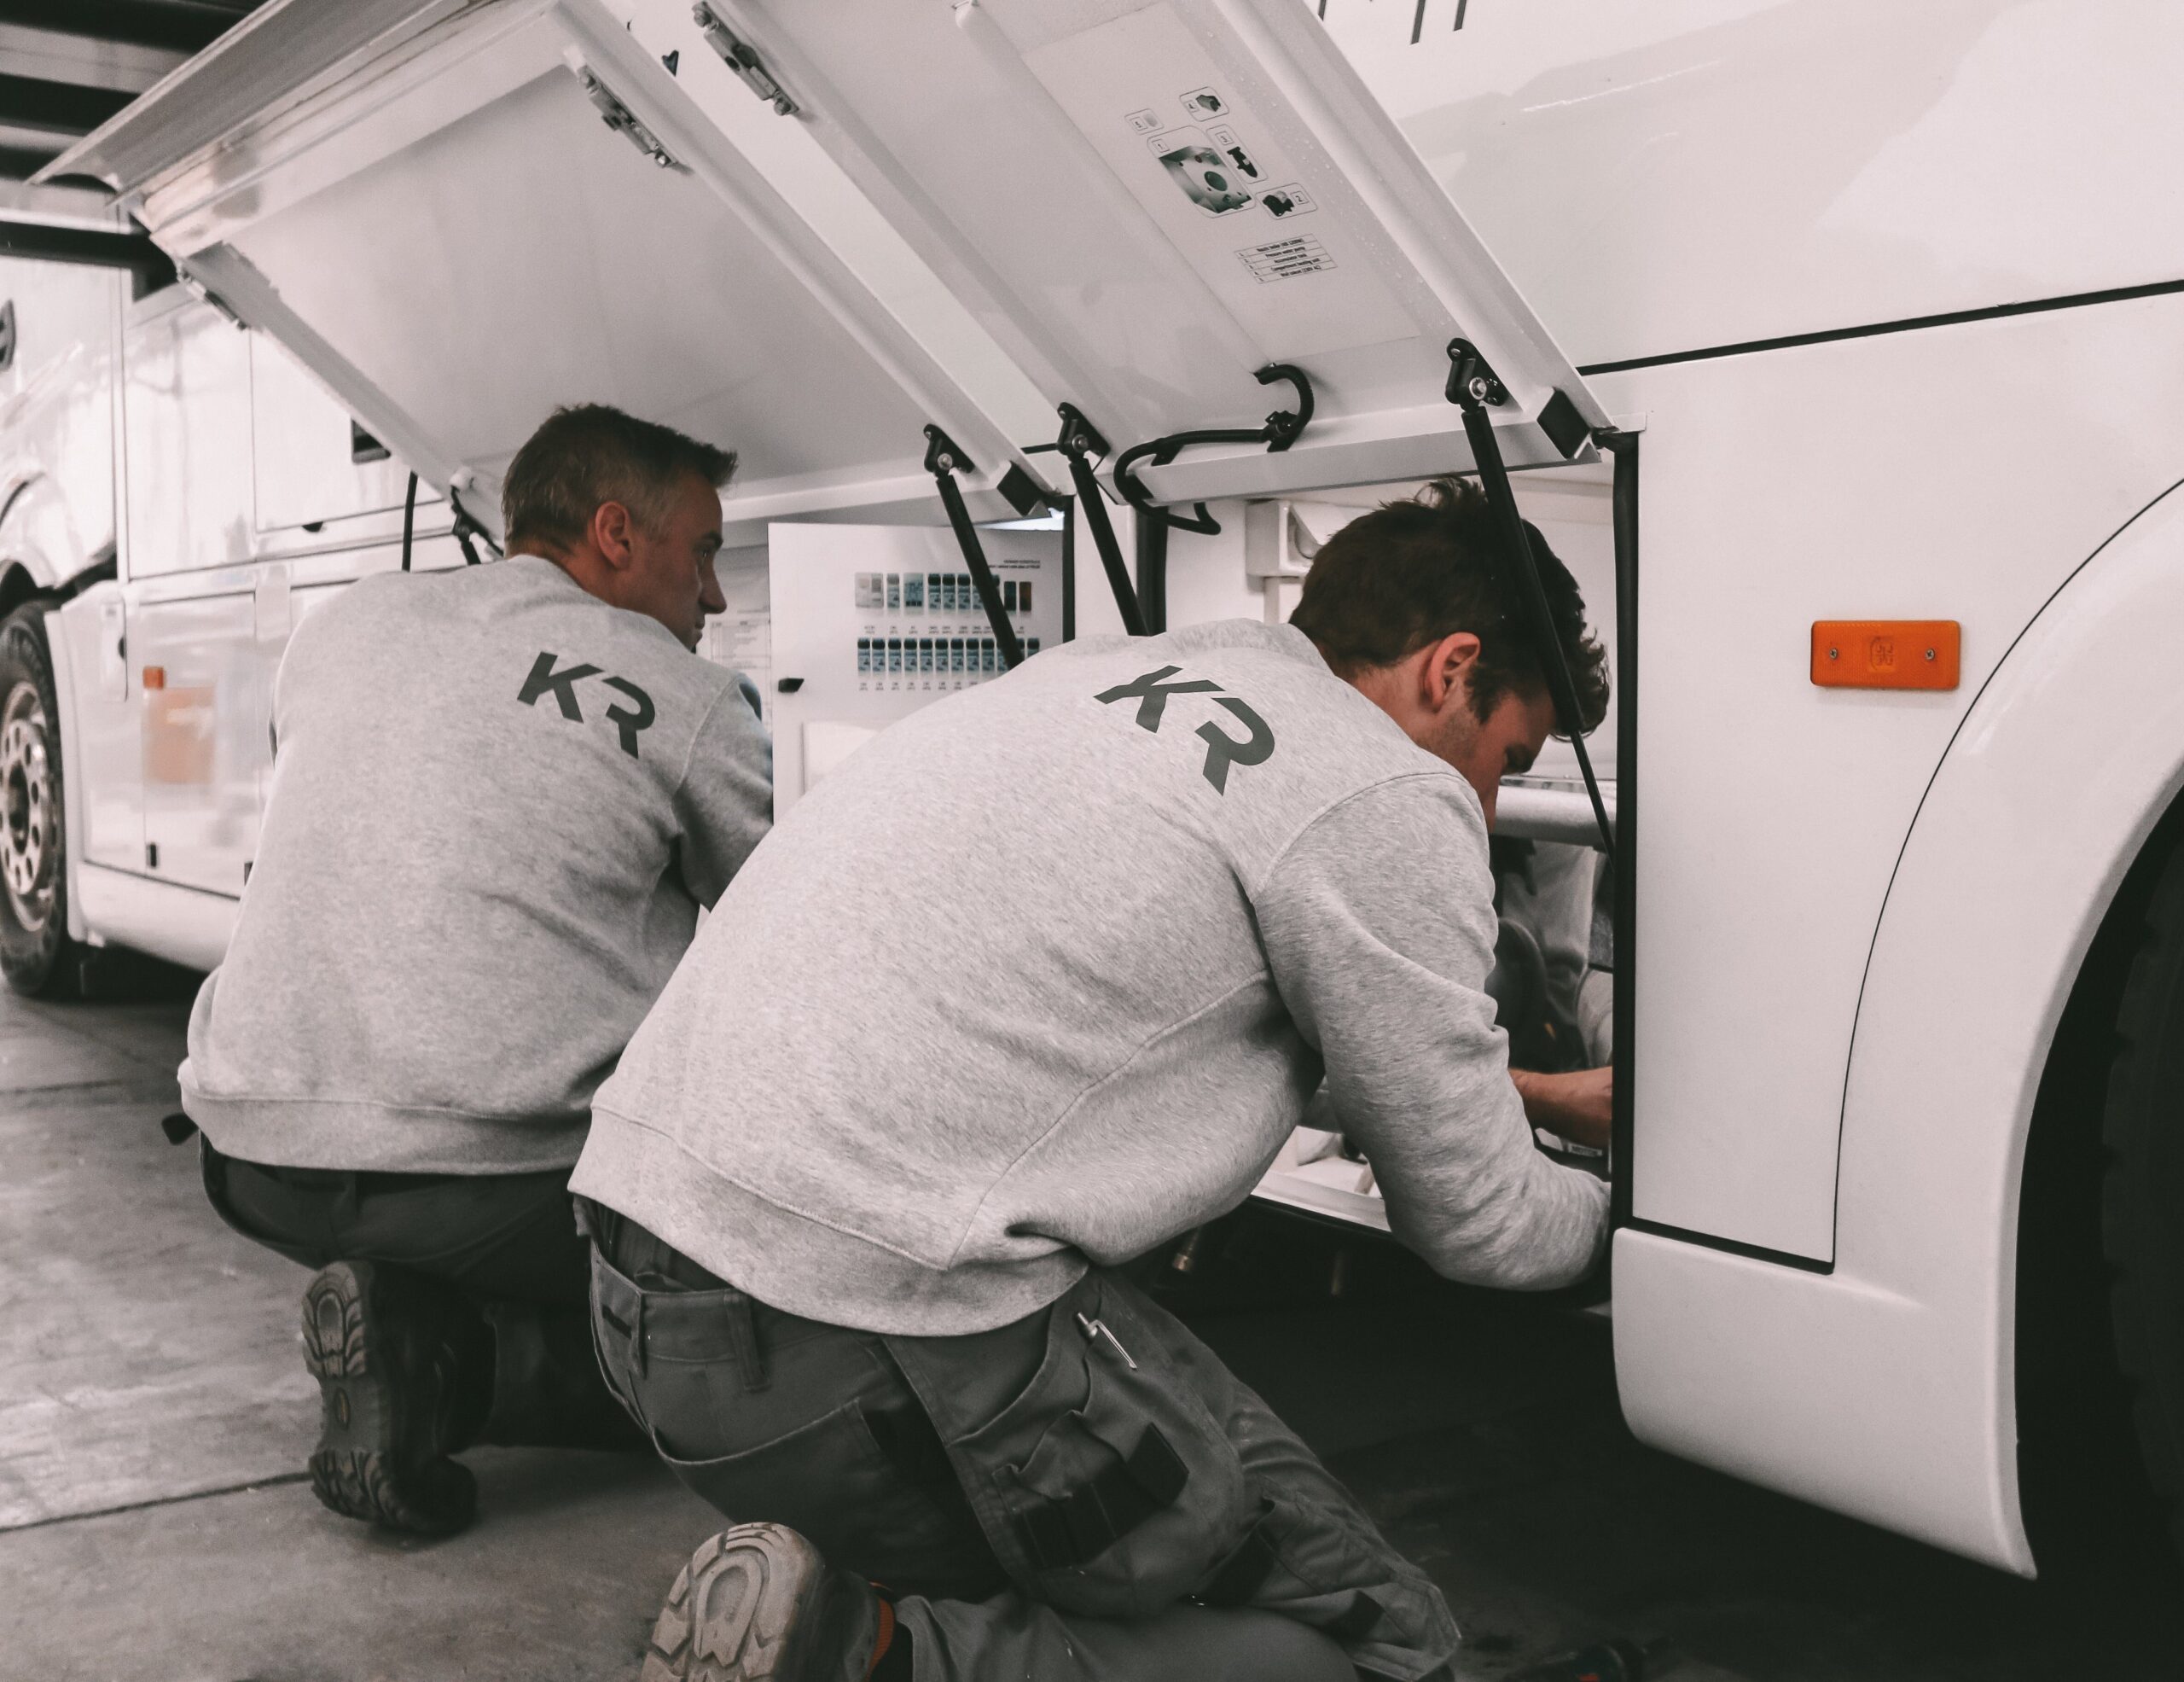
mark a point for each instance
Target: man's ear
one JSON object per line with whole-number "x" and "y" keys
{"x": 613, "y": 527}
{"x": 1447, "y": 669}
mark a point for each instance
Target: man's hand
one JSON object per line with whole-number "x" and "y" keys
{"x": 1579, "y": 1106}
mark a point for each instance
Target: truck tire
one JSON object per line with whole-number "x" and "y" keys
{"x": 2142, "y": 1201}
{"x": 36, "y": 954}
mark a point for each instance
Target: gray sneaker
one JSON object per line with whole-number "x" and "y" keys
{"x": 757, "y": 1604}
{"x": 382, "y": 1344}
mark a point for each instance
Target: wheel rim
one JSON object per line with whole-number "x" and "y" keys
{"x": 29, "y": 841}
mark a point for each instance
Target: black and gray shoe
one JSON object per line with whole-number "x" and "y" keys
{"x": 383, "y": 1345}
{"x": 757, "y": 1604}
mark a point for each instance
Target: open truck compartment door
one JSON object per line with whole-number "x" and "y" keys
{"x": 460, "y": 217}
{"x": 811, "y": 231}
{"x": 1146, "y": 204}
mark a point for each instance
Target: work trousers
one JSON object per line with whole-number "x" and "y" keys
{"x": 509, "y": 1245}
{"x": 1086, "y": 1492}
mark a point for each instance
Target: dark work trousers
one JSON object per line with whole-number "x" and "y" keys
{"x": 1086, "y": 1492}
{"x": 508, "y": 1243}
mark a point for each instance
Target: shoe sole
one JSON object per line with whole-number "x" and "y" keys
{"x": 353, "y": 1470}
{"x": 750, "y": 1606}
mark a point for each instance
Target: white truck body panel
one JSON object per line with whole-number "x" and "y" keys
{"x": 56, "y": 419}
{"x": 1894, "y": 1376}
{"x": 1675, "y": 174}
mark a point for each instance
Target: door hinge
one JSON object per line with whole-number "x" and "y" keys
{"x": 205, "y": 294}
{"x": 619, "y": 117}
{"x": 737, "y": 54}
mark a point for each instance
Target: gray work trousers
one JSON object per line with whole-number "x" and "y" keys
{"x": 1088, "y": 1491}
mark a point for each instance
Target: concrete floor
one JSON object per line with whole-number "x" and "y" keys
{"x": 155, "y": 1416}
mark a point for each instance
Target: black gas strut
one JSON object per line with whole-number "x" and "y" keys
{"x": 943, "y": 460}
{"x": 1080, "y": 441}
{"x": 1279, "y": 432}
{"x": 1474, "y": 389}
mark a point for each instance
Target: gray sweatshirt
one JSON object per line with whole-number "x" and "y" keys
{"x": 1048, "y": 971}
{"x": 497, "y": 804}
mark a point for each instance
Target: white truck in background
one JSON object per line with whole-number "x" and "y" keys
{"x": 1888, "y": 300}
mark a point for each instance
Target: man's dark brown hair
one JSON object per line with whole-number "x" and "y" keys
{"x": 591, "y": 454}
{"x": 1410, "y": 572}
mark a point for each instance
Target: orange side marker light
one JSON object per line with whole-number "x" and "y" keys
{"x": 1887, "y": 654}
{"x": 155, "y": 677}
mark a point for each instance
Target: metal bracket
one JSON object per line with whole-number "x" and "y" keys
{"x": 1282, "y": 429}
{"x": 1080, "y": 442}
{"x": 737, "y": 54}
{"x": 943, "y": 460}
{"x": 623, "y": 120}
{"x": 1473, "y": 388}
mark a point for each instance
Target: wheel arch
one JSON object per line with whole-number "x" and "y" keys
{"x": 2064, "y": 775}
{"x": 1885, "y": 1388}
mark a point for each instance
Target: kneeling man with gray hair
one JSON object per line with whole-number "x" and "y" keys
{"x": 1039, "y": 980}
{"x": 500, "y": 796}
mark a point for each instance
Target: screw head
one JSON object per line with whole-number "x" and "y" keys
{"x": 1831, "y": 653}
{"x": 1930, "y": 654}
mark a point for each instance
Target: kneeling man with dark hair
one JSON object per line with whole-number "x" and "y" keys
{"x": 863, "y": 1179}
{"x": 500, "y": 796}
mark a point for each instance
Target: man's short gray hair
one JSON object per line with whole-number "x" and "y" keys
{"x": 590, "y": 454}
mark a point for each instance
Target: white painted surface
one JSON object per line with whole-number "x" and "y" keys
{"x": 1962, "y": 473}
{"x": 1888, "y": 1389}
{"x": 458, "y": 191}
{"x": 56, "y": 417}
{"x": 1024, "y": 161}
{"x": 1663, "y": 175}
{"x": 180, "y": 924}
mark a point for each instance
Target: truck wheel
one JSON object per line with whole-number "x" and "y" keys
{"x": 36, "y": 954}
{"x": 2142, "y": 1204}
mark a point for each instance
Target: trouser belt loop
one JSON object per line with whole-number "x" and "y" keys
{"x": 743, "y": 1335}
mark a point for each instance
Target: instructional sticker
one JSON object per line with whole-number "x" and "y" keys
{"x": 1232, "y": 149}
{"x": 1289, "y": 200}
{"x": 1145, "y": 122}
{"x": 1203, "y": 102}
{"x": 1285, "y": 259}
{"x": 1206, "y": 177}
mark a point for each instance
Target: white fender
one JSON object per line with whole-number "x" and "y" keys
{"x": 1886, "y": 1389}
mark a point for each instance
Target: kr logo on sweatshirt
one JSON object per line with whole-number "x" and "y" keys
{"x": 1150, "y": 693}
{"x": 562, "y": 686}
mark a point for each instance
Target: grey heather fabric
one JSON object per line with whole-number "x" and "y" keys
{"x": 497, "y": 804}
{"x": 1046, "y": 973}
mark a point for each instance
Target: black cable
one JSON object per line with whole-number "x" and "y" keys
{"x": 1280, "y": 431}
{"x": 408, "y": 519}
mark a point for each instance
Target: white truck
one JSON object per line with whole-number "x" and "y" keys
{"x": 1888, "y": 300}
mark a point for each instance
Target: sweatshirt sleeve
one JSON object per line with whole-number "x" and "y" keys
{"x": 725, "y": 800}
{"x": 1378, "y": 925}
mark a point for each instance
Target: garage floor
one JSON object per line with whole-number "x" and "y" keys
{"x": 154, "y": 1416}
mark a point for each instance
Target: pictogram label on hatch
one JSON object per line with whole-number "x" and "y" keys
{"x": 1285, "y": 259}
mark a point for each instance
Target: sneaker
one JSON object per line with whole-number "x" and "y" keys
{"x": 381, "y": 1342}
{"x": 757, "y": 1604}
